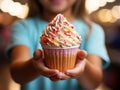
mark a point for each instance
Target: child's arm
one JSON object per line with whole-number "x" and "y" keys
{"x": 23, "y": 69}
{"x": 92, "y": 75}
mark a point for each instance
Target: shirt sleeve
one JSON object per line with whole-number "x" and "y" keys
{"x": 19, "y": 36}
{"x": 96, "y": 44}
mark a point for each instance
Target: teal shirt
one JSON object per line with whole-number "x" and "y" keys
{"x": 27, "y": 32}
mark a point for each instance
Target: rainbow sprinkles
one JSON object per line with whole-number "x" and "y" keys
{"x": 60, "y": 33}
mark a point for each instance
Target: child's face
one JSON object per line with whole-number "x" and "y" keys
{"x": 57, "y": 6}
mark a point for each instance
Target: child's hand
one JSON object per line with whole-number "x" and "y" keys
{"x": 52, "y": 74}
{"x": 80, "y": 65}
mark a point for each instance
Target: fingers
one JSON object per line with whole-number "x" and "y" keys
{"x": 78, "y": 70}
{"x": 38, "y": 54}
{"x": 81, "y": 54}
{"x": 55, "y": 77}
{"x": 43, "y": 70}
{"x": 63, "y": 76}
{"x": 53, "y": 74}
{"x": 60, "y": 76}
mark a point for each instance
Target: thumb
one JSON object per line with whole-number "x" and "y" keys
{"x": 38, "y": 54}
{"x": 81, "y": 54}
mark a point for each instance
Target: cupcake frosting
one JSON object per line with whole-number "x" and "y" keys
{"x": 60, "y": 33}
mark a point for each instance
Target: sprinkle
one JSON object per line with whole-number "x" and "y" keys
{"x": 78, "y": 37}
{"x": 66, "y": 23}
{"x": 59, "y": 37}
{"x": 45, "y": 40}
{"x": 64, "y": 41}
{"x": 67, "y": 33}
{"x": 53, "y": 38}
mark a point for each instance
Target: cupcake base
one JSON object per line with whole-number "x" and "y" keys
{"x": 60, "y": 58}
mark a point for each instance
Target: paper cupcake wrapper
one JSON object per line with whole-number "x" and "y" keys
{"x": 60, "y": 58}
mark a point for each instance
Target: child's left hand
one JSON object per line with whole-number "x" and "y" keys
{"x": 79, "y": 67}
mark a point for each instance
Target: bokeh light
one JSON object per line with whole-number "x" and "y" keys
{"x": 105, "y": 15}
{"x": 14, "y": 8}
{"x": 93, "y": 5}
{"x": 116, "y": 12}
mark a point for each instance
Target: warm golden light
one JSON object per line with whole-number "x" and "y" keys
{"x": 116, "y": 12}
{"x": 110, "y": 1}
{"x": 4, "y": 5}
{"x": 93, "y": 5}
{"x": 105, "y": 15}
{"x": 14, "y": 8}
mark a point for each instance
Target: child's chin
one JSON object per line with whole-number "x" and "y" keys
{"x": 57, "y": 9}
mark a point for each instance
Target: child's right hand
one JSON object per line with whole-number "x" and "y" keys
{"x": 52, "y": 74}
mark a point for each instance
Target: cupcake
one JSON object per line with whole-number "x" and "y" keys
{"x": 60, "y": 43}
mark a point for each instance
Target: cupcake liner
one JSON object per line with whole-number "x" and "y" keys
{"x": 60, "y": 58}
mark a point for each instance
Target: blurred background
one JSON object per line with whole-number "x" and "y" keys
{"x": 104, "y": 12}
